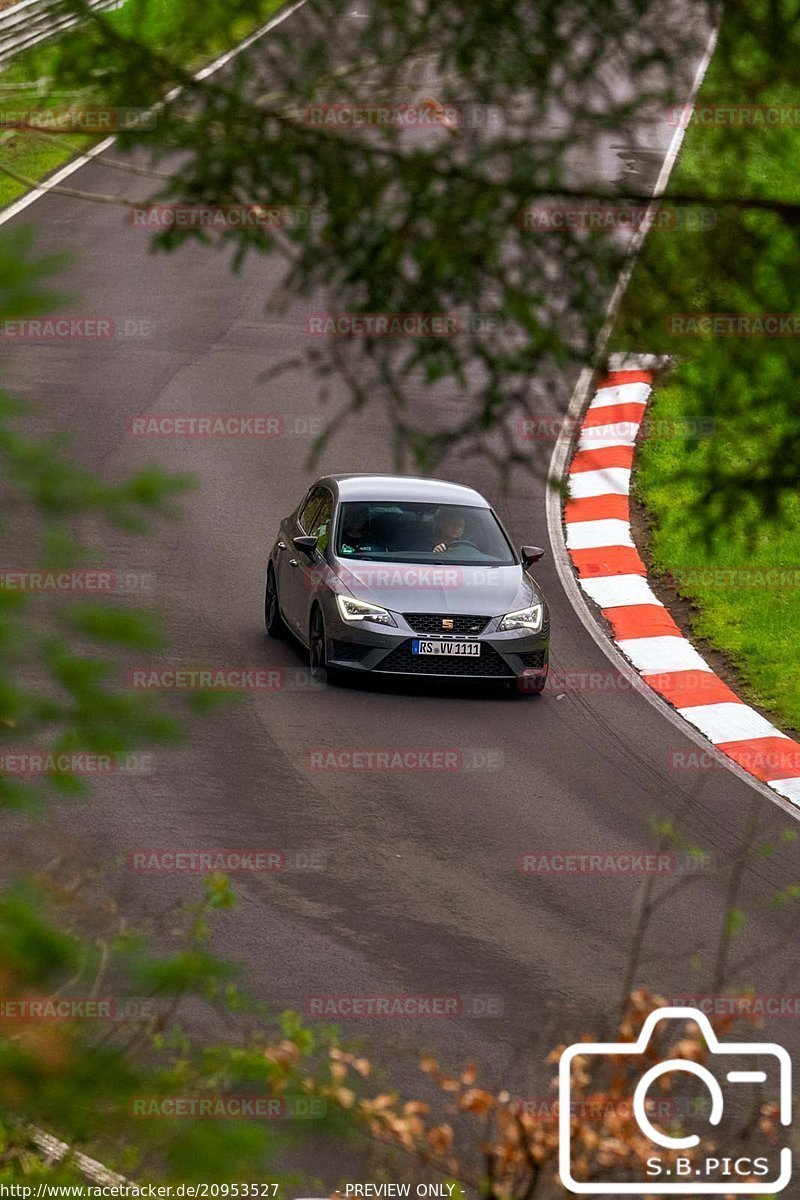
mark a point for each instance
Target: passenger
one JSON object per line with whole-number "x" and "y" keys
{"x": 356, "y": 537}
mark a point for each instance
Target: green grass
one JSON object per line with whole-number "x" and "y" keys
{"x": 191, "y": 36}
{"x": 704, "y": 495}
{"x": 740, "y": 611}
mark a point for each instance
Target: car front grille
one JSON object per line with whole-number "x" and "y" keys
{"x": 534, "y": 659}
{"x": 427, "y": 623}
{"x": 488, "y": 664}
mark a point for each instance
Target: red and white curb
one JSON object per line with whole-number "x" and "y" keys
{"x": 611, "y": 573}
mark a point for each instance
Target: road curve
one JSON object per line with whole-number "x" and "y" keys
{"x": 421, "y": 891}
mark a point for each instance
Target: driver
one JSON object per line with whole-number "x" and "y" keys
{"x": 448, "y": 527}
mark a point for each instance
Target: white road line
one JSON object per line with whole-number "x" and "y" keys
{"x": 76, "y": 164}
{"x": 56, "y": 1151}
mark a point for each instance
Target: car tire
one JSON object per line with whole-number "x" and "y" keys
{"x": 528, "y": 685}
{"x": 273, "y": 620}
{"x": 317, "y": 655}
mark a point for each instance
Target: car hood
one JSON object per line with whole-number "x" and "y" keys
{"x": 418, "y": 588}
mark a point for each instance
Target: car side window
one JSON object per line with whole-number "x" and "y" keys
{"x": 308, "y": 512}
{"x": 320, "y": 527}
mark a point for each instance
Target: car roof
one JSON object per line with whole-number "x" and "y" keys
{"x": 403, "y": 487}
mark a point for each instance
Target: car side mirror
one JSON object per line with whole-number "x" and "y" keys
{"x": 306, "y": 544}
{"x": 531, "y": 554}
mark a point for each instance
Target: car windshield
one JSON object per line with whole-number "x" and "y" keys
{"x": 407, "y": 531}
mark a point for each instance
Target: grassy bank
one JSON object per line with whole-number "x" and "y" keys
{"x": 704, "y": 475}
{"x": 188, "y": 35}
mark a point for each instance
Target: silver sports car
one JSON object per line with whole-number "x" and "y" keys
{"x": 394, "y": 575}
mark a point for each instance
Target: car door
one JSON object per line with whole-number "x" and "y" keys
{"x": 287, "y": 559}
{"x": 313, "y": 520}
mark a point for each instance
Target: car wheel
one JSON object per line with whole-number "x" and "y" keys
{"x": 531, "y": 685}
{"x": 316, "y": 649}
{"x": 272, "y": 611}
{"x": 316, "y": 641}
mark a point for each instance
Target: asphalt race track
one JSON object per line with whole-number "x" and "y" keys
{"x": 420, "y": 891}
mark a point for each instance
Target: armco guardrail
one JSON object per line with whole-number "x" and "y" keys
{"x": 33, "y": 21}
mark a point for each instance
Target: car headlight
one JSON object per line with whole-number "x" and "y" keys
{"x": 524, "y": 619}
{"x": 360, "y": 610}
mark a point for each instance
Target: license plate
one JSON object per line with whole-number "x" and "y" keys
{"x": 455, "y": 649}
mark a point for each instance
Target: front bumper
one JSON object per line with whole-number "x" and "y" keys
{"x": 385, "y": 650}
